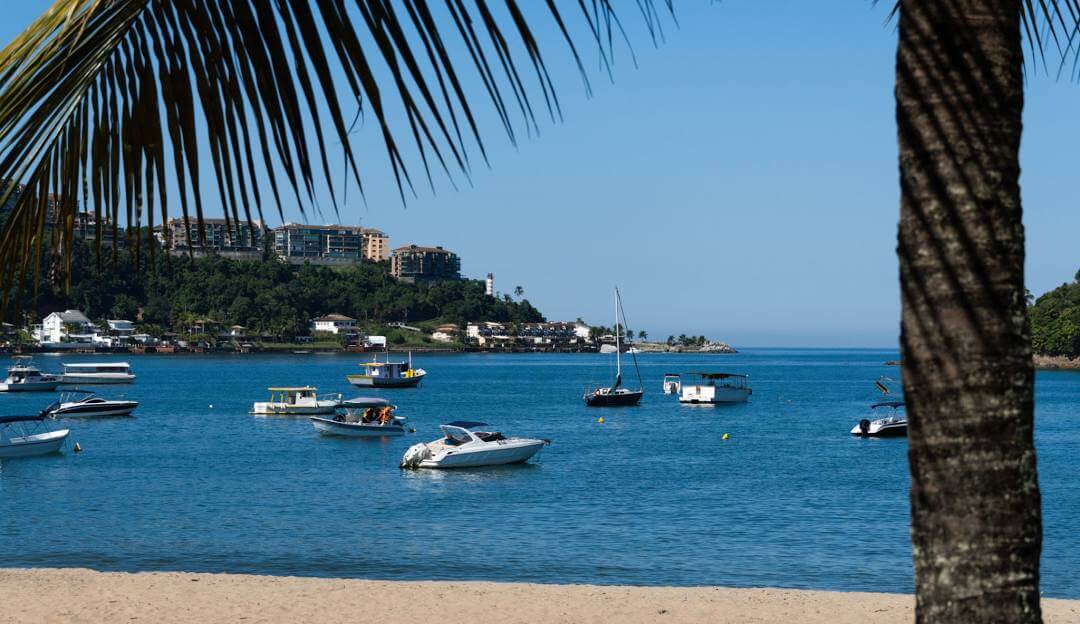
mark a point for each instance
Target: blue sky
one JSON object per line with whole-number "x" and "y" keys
{"x": 741, "y": 182}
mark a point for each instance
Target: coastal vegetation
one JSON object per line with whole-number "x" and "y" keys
{"x": 1055, "y": 321}
{"x": 172, "y": 293}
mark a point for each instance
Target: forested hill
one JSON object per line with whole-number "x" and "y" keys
{"x": 1055, "y": 321}
{"x": 264, "y": 296}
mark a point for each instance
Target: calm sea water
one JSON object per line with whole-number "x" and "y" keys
{"x": 652, "y": 496}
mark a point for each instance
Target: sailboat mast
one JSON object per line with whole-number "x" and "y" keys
{"x": 618, "y": 349}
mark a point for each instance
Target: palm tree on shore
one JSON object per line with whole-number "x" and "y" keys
{"x": 519, "y": 291}
{"x": 102, "y": 100}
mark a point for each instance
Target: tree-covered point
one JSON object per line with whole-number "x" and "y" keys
{"x": 1055, "y": 321}
{"x": 266, "y": 296}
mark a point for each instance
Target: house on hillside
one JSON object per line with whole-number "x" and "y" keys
{"x": 334, "y": 324}
{"x": 447, "y": 332}
{"x": 67, "y": 329}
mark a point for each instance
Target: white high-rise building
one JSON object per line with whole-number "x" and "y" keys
{"x": 489, "y": 285}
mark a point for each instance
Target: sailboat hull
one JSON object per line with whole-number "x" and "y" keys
{"x": 616, "y": 399}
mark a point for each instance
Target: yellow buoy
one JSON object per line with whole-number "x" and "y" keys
{"x": 600, "y": 420}
{"x": 725, "y": 437}
{"x": 77, "y": 449}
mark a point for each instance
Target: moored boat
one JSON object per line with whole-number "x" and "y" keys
{"x": 465, "y": 446}
{"x": 388, "y": 374}
{"x": 94, "y": 373}
{"x": 296, "y": 401}
{"x": 364, "y": 418}
{"x": 23, "y": 376}
{"x": 714, "y": 388}
{"x": 87, "y": 404}
{"x": 616, "y": 395}
{"x": 892, "y": 426}
{"x": 26, "y": 436}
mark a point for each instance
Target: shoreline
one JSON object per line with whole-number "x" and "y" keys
{"x": 78, "y": 594}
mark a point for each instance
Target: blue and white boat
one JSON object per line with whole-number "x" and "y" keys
{"x": 388, "y": 374}
{"x": 363, "y": 417}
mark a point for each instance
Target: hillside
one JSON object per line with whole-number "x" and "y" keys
{"x": 268, "y": 297}
{"x": 1055, "y": 321}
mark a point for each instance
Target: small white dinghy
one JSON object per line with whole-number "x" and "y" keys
{"x": 363, "y": 418}
{"x": 463, "y": 447}
{"x": 26, "y": 436}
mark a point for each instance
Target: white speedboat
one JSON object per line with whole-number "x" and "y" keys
{"x": 25, "y": 436}
{"x": 86, "y": 404}
{"x": 714, "y": 388}
{"x": 299, "y": 401}
{"x": 892, "y": 426}
{"x": 465, "y": 447}
{"x": 362, "y": 418}
{"x": 672, "y": 383}
{"x": 93, "y": 373}
{"x": 23, "y": 376}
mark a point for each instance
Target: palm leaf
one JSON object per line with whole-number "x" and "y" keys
{"x": 104, "y": 101}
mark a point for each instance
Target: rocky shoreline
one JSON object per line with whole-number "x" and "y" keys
{"x": 1056, "y": 362}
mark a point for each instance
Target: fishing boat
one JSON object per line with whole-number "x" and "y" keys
{"x": 465, "y": 446}
{"x": 894, "y": 425}
{"x": 87, "y": 404}
{"x": 23, "y": 376}
{"x": 714, "y": 388}
{"x": 26, "y": 436}
{"x": 388, "y": 374}
{"x": 94, "y": 373}
{"x": 615, "y": 395}
{"x": 364, "y": 418}
{"x": 298, "y": 401}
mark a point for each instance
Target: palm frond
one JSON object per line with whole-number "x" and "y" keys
{"x": 106, "y": 105}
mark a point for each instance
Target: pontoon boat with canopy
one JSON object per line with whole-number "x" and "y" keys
{"x": 363, "y": 417}
{"x": 713, "y": 388}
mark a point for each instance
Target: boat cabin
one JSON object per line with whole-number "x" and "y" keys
{"x": 98, "y": 367}
{"x": 292, "y": 396}
{"x": 711, "y": 388}
{"x": 388, "y": 370}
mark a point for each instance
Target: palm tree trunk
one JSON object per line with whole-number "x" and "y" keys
{"x": 968, "y": 377}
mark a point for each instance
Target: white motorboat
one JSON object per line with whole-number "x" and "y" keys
{"x": 93, "y": 373}
{"x": 87, "y": 404}
{"x": 714, "y": 388}
{"x": 298, "y": 401}
{"x": 362, "y": 418}
{"x": 23, "y": 376}
{"x": 25, "y": 436}
{"x": 892, "y": 426}
{"x": 465, "y": 447}
{"x": 672, "y": 383}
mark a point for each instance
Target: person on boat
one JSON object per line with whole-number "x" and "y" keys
{"x": 385, "y": 415}
{"x": 369, "y": 415}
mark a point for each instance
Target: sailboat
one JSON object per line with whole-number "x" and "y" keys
{"x": 616, "y": 394}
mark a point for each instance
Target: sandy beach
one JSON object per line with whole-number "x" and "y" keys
{"x": 77, "y": 595}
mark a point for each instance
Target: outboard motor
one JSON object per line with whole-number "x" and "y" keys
{"x": 864, "y": 426}
{"x": 416, "y": 454}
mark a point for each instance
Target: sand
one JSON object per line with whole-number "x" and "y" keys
{"x": 74, "y": 595}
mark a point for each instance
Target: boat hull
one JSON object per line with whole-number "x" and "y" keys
{"x": 119, "y": 408}
{"x": 719, "y": 395}
{"x": 516, "y": 453}
{"x": 366, "y": 381}
{"x": 30, "y": 386}
{"x": 895, "y": 430}
{"x": 29, "y": 446}
{"x": 266, "y": 409}
{"x": 95, "y": 380}
{"x": 327, "y": 426}
{"x": 619, "y": 399}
